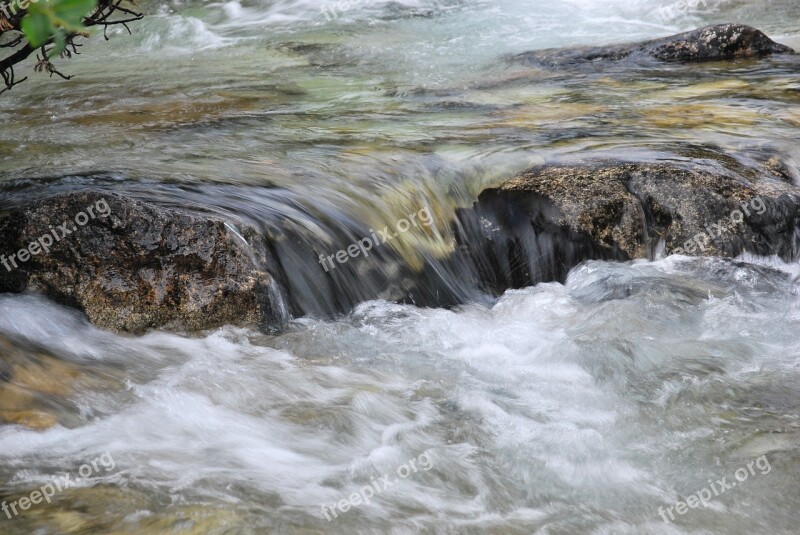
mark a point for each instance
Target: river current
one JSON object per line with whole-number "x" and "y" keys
{"x": 589, "y": 406}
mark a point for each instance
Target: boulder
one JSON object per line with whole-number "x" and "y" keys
{"x": 712, "y": 43}
{"x": 542, "y": 223}
{"x": 132, "y": 266}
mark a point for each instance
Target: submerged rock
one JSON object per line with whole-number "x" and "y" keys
{"x": 34, "y": 386}
{"x": 712, "y": 43}
{"x": 107, "y": 508}
{"x": 132, "y": 266}
{"x": 540, "y": 224}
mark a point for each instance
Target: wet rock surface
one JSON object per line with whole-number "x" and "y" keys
{"x": 711, "y": 43}
{"x": 132, "y": 266}
{"x": 540, "y": 224}
{"x": 104, "y": 508}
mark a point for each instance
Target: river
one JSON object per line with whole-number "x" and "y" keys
{"x": 588, "y": 406}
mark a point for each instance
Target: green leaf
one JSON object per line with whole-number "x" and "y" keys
{"x": 72, "y": 11}
{"x": 61, "y": 43}
{"x": 37, "y": 28}
{"x": 52, "y": 19}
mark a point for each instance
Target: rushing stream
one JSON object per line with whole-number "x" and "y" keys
{"x": 590, "y": 406}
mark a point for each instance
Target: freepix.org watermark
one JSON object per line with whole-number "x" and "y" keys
{"x": 704, "y": 496}
{"x": 683, "y": 7}
{"x": 43, "y": 243}
{"x": 377, "y": 486}
{"x": 332, "y": 10}
{"x": 15, "y": 7}
{"x": 48, "y": 490}
{"x": 365, "y": 245}
{"x": 703, "y": 240}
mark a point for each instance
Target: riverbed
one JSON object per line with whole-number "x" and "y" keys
{"x": 592, "y": 405}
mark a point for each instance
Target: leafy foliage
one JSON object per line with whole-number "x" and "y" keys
{"x": 50, "y": 28}
{"x": 53, "y": 19}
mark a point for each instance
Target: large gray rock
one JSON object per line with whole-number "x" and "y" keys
{"x": 712, "y": 43}
{"x": 540, "y": 224}
{"x": 132, "y": 266}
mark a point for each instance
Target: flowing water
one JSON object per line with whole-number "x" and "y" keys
{"x": 572, "y": 407}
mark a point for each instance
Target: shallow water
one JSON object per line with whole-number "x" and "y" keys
{"x": 576, "y": 408}
{"x": 580, "y": 407}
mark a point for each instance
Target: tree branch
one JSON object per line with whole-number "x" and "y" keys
{"x": 10, "y": 26}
